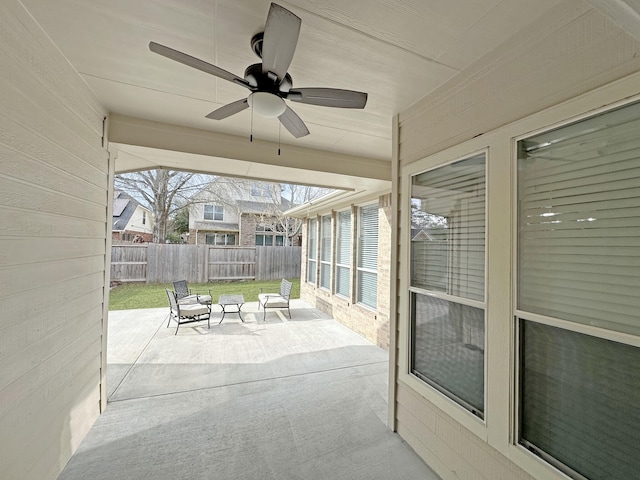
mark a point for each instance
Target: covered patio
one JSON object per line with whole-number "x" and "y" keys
{"x": 300, "y": 398}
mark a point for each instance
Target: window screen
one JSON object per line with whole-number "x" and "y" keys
{"x": 367, "y": 266}
{"x": 447, "y": 280}
{"x": 343, "y": 253}
{"x": 578, "y": 260}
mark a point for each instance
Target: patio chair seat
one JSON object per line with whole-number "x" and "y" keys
{"x": 273, "y": 300}
{"x": 193, "y": 310}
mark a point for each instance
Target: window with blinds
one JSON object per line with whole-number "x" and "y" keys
{"x": 367, "y": 259}
{"x": 312, "y": 250}
{"x": 448, "y": 280}
{"x": 325, "y": 251}
{"x": 578, "y": 260}
{"x": 343, "y": 253}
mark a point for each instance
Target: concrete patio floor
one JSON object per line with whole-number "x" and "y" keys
{"x": 283, "y": 399}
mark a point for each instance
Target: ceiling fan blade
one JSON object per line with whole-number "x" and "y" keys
{"x": 328, "y": 97}
{"x": 196, "y": 63}
{"x": 293, "y": 123}
{"x": 228, "y": 110}
{"x": 280, "y": 40}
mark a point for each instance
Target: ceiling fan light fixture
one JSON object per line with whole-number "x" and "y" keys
{"x": 266, "y": 104}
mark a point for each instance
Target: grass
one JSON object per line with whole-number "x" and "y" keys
{"x": 136, "y": 295}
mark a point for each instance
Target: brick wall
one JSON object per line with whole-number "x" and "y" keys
{"x": 248, "y": 224}
{"x": 371, "y": 324}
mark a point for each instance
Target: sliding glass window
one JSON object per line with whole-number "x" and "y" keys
{"x": 578, "y": 263}
{"x": 448, "y": 280}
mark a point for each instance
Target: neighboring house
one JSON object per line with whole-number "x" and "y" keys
{"x": 346, "y": 252}
{"x": 239, "y": 212}
{"x": 131, "y": 221}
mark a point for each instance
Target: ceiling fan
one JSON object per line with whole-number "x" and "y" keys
{"x": 269, "y": 82}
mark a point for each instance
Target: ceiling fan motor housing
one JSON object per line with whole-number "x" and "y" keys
{"x": 263, "y": 83}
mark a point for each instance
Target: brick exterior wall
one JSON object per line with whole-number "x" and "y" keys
{"x": 371, "y": 324}
{"x": 248, "y": 224}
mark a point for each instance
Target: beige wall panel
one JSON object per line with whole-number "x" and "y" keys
{"x": 24, "y": 44}
{"x": 460, "y": 453}
{"x": 51, "y": 391}
{"x": 53, "y": 234}
{"x": 567, "y": 53}
{"x": 49, "y": 464}
{"x": 54, "y": 121}
{"x": 30, "y": 278}
{"x": 20, "y": 306}
{"x": 26, "y": 196}
{"x": 56, "y": 420}
{"x": 15, "y": 223}
{"x": 39, "y": 346}
{"x": 61, "y": 249}
{"x": 44, "y": 172}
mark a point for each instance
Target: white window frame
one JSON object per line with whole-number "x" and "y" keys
{"x": 343, "y": 266}
{"x": 325, "y": 256}
{"x": 473, "y": 423}
{"x": 521, "y": 453}
{"x": 217, "y": 235}
{"x": 216, "y": 211}
{"x": 359, "y": 267}
{"x": 451, "y": 298}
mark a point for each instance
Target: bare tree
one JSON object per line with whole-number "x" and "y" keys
{"x": 283, "y": 198}
{"x": 162, "y": 191}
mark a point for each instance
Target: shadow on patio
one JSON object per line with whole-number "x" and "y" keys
{"x": 282, "y": 399}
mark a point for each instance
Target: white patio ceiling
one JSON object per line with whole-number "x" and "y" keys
{"x": 397, "y": 51}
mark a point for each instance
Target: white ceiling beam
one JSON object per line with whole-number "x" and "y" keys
{"x": 146, "y": 133}
{"x": 145, "y": 144}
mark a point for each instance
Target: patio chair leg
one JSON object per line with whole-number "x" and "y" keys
{"x": 289, "y": 310}
{"x": 177, "y": 328}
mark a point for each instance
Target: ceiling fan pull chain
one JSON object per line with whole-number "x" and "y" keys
{"x": 251, "y": 132}
{"x": 279, "y": 130}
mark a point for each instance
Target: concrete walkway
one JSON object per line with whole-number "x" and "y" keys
{"x": 282, "y": 399}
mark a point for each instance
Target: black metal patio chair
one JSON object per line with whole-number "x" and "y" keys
{"x": 187, "y": 313}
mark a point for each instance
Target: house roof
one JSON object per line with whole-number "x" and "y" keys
{"x": 123, "y": 208}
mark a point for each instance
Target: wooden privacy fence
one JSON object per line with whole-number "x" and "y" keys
{"x": 164, "y": 263}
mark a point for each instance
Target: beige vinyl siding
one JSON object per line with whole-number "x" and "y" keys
{"x": 563, "y": 57}
{"x": 54, "y": 183}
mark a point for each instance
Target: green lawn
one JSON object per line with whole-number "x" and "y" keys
{"x": 132, "y": 296}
